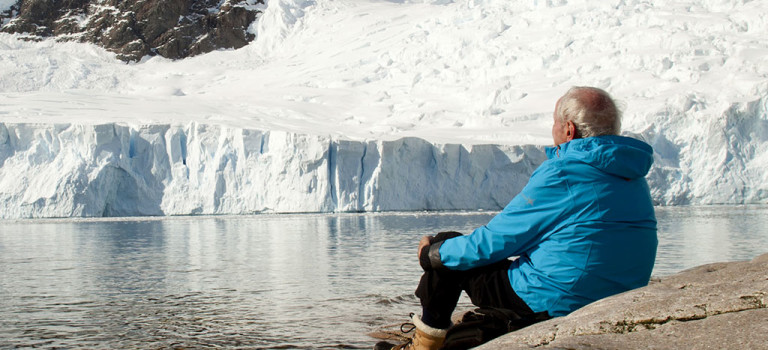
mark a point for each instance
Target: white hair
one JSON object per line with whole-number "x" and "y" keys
{"x": 592, "y": 111}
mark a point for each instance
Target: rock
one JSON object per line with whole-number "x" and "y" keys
{"x": 714, "y": 306}
{"x": 134, "y": 29}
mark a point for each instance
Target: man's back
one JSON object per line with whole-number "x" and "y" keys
{"x": 605, "y": 241}
{"x": 583, "y": 228}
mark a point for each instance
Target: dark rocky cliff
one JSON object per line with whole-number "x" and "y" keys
{"x": 133, "y": 29}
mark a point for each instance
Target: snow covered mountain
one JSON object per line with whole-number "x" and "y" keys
{"x": 341, "y": 105}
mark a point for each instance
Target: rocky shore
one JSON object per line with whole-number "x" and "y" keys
{"x": 714, "y": 306}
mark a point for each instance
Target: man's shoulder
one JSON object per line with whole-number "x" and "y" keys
{"x": 559, "y": 166}
{"x": 550, "y": 168}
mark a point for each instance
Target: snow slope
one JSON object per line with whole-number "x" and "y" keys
{"x": 364, "y": 105}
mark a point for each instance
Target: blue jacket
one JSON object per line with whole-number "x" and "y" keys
{"x": 583, "y": 227}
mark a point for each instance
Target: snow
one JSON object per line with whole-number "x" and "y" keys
{"x": 372, "y": 105}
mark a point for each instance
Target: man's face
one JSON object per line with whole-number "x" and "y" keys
{"x": 559, "y": 129}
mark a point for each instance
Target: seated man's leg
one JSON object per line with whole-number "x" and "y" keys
{"x": 439, "y": 292}
{"x": 491, "y": 287}
{"x": 488, "y": 286}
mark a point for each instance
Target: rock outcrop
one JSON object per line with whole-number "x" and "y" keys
{"x": 714, "y": 306}
{"x": 133, "y": 29}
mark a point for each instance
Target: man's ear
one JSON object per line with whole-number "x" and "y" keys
{"x": 570, "y": 132}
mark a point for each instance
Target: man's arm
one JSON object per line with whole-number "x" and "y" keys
{"x": 524, "y": 222}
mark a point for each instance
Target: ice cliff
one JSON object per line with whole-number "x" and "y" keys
{"x": 64, "y": 170}
{"x": 705, "y": 160}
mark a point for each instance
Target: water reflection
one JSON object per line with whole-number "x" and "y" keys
{"x": 294, "y": 281}
{"x": 691, "y": 236}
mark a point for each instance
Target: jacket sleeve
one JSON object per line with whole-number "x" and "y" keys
{"x": 528, "y": 219}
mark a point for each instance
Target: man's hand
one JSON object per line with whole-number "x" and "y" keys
{"x": 433, "y": 242}
{"x": 423, "y": 243}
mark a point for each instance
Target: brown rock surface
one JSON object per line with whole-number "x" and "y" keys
{"x": 134, "y": 29}
{"x": 714, "y": 306}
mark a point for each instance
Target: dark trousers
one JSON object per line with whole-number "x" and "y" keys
{"x": 487, "y": 286}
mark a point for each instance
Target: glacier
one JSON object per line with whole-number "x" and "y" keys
{"x": 71, "y": 170}
{"x": 365, "y": 106}
{"x": 94, "y": 170}
{"x": 699, "y": 160}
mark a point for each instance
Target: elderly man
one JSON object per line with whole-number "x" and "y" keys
{"x": 582, "y": 229}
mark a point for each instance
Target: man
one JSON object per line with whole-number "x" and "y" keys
{"x": 583, "y": 228}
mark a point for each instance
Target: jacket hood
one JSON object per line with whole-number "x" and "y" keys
{"x": 617, "y": 155}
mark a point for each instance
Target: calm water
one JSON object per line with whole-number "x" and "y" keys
{"x": 294, "y": 281}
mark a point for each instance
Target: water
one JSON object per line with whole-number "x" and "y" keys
{"x": 287, "y": 281}
{"x": 692, "y": 236}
